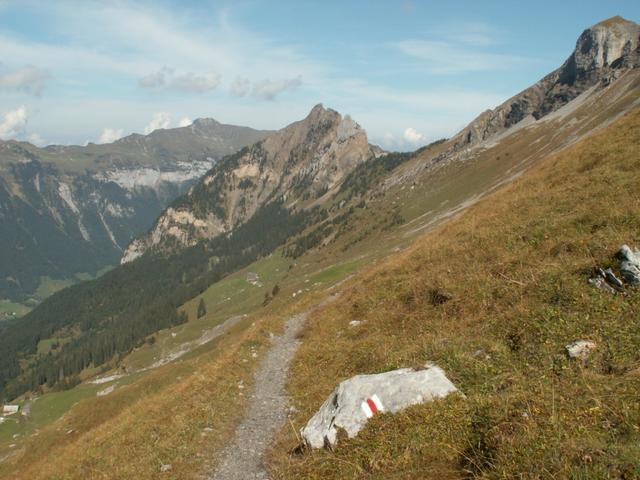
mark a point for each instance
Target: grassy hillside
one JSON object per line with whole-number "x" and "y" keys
{"x": 516, "y": 269}
{"x": 516, "y": 266}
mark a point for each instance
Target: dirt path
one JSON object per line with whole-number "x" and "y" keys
{"x": 242, "y": 459}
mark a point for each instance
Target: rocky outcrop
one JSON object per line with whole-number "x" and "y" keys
{"x": 603, "y": 52}
{"x": 298, "y": 165}
{"x": 629, "y": 265}
{"x": 356, "y": 400}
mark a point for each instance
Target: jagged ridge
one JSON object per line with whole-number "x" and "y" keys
{"x": 603, "y": 52}
{"x": 299, "y": 164}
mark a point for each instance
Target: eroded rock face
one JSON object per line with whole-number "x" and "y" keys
{"x": 298, "y": 165}
{"x": 603, "y": 52}
{"x": 351, "y": 403}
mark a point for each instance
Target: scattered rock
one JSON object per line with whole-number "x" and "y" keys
{"x": 355, "y": 323}
{"x": 612, "y": 279}
{"x": 580, "y": 349}
{"x": 350, "y": 404}
{"x": 106, "y": 391}
{"x": 601, "y": 284}
{"x": 629, "y": 265}
{"x": 606, "y": 281}
{"x": 165, "y": 468}
{"x": 481, "y": 354}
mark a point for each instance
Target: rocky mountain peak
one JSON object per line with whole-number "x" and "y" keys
{"x": 603, "y": 53}
{"x": 611, "y": 43}
{"x": 206, "y": 122}
{"x": 297, "y": 165}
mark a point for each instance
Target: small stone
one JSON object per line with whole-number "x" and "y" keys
{"x": 612, "y": 279}
{"x": 165, "y": 468}
{"x": 355, "y": 323}
{"x": 580, "y": 349}
{"x": 601, "y": 284}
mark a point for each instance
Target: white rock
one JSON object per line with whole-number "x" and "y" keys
{"x": 106, "y": 391}
{"x": 165, "y": 468}
{"x": 396, "y": 390}
{"x": 580, "y": 349}
{"x": 355, "y": 323}
{"x": 629, "y": 265}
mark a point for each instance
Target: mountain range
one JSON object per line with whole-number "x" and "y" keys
{"x": 71, "y": 210}
{"x": 462, "y": 252}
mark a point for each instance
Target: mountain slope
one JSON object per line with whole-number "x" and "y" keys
{"x": 514, "y": 268}
{"x": 66, "y": 210}
{"x": 603, "y": 53}
{"x": 105, "y": 319}
{"x": 301, "y": 163}
{"x": 498, "y": 262}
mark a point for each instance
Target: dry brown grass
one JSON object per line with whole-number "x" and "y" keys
{"x": 157, "y": 420}
{"x": 516, "y": 266}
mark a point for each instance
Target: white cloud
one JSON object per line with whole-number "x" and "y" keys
{"x": 110, "y": 135}
{"x": 159, "y": 120}
{"x": 156, "y": 79}
{"x": 240, "y": 87}
{"x": 188, "y": 82}
{"x": 411, "y": 135}
{"x": 268, "y": 90}
{"x": 185, "y": 122}
{"x": 13, "y": 123}
{"x": 28, "y": 79}
{"x": 36, "y": 139}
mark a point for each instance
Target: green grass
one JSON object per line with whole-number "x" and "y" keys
{"x": 336, "y": 272}
{"x": 48, "y": 286}
{"x": 7, "y": 309}
{"x": 44, "y": 410}
{"x": 229, "y": 297}
{"x": 44, "y": 346}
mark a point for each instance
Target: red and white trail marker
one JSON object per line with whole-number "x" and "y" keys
{"x": 371, "y": 406}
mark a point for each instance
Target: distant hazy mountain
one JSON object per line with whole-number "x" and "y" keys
{"x": 66, "y": 210}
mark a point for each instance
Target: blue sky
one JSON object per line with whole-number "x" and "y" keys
{"x": 408, "y": 71}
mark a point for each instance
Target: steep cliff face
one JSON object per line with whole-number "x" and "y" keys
{"x": 298, "y": 165}
{"x": 66, "y": 210}
{"x": 602, "y": 54}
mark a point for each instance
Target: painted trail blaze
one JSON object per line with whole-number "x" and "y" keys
{"x": 371, "y": 406}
